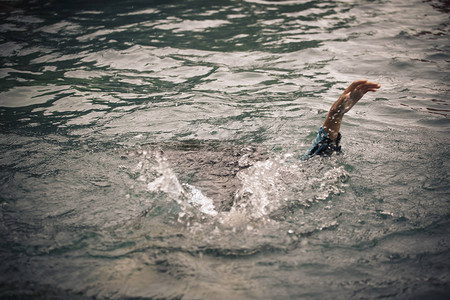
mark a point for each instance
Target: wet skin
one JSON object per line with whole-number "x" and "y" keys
{"x": 346, "y": 101}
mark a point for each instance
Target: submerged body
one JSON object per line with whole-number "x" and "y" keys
{"x": 214, "y": 167}
{"x": 210, "y": 166}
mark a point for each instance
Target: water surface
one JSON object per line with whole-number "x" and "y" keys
{"x": 151, "y": 149}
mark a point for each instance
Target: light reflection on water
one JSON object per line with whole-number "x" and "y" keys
{"x": 119, "y": 123}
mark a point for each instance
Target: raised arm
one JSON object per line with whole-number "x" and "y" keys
{"x": 346, "y": 101}
{"x": 328, "y": 137}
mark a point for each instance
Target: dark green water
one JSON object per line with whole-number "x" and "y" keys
{"x": 128, "y": 129}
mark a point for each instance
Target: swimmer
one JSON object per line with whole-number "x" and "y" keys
{"x": 328, "y": 138}
{"x": 214, "y": 166}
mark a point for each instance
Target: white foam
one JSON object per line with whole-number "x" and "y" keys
{"x": 200, "y": 201}
{"x": 168, "y": 183}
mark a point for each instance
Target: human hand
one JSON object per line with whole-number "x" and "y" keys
{"x": 353, "y": 94}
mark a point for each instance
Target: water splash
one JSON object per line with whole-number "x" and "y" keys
{"x": 184, "y": 193}
{"x": 267, "y": 188}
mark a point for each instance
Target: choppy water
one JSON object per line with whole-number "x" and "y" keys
{"x": 150, "y": 149}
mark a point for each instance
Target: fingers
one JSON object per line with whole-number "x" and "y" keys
{"x": 369, "y": 87}
{"x": 372, "y": 85}
{"x": 363, "y": 85}
{"x": 353, "y": 94}
{"x": 354, "y": 85}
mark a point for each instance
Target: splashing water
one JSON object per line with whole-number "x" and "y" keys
{"x": 212, "y": 216}
{"x": 265, "y": 188}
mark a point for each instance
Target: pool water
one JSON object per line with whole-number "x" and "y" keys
{"x": 152, "y": 150}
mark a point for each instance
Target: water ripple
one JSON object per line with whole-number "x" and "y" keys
{"x": 151, "y": 149}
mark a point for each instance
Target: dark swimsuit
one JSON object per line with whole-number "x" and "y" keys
{"x": 323, "y": 145}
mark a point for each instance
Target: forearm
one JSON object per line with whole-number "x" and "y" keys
{"x": 333, "y": 121}
{"x": 346, "y": 101}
